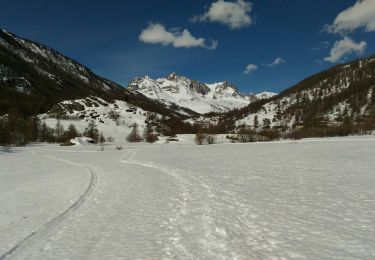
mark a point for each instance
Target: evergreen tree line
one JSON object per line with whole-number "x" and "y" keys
{"x": 18, "y": 131}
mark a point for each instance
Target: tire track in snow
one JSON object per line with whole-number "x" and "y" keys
{"x": 51, "y": 225}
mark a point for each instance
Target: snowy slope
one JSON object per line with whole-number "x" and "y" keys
{"x": 328, "y": 98}
{"x": 42, "y": 59}
{"x": 265, "y": 95}
{"x": 112, "y": 119}
{"x": 199, "y": 97}
{"x": 224, "y": 202}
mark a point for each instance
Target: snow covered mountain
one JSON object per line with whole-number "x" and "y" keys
{"x": 342, "y": 95}
{"x": 175, "y": 90}
{"x": 34, "y": 78}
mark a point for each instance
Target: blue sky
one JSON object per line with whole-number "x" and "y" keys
{"x": 105, "y": 36}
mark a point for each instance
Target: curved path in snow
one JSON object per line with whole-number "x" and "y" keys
{"x": 51, "y": 225}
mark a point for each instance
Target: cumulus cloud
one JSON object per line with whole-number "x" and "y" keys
{"x": 233, "y": 14}
{"x": 361, "y": 15}
{"x": 250, "y": 68}
{"x": 276, "y": 62}
{"x": 345, "y": 47}
{"x": 156, "y": 33}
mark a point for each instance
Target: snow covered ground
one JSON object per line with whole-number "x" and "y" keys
{"x": 311, "y": 199}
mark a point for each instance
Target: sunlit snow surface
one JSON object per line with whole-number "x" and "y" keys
{"x": 312, "y": 199}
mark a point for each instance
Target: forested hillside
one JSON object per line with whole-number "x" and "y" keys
{"x": 339, "y": 99}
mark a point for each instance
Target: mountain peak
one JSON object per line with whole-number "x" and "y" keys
{"x": 174, "y": 76}
{"x": 176, "y": 90}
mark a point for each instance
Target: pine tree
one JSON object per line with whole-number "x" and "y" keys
{"x": 148, "y": 133}
{"x": 59, "y": 131}
{"x": 71, "y": 133}
{"x": 43, "y": 132}
{"x": 101, "y": 138}
{"x": 17, "y": 128}
{"x": 134, "y": 136}
{"x": 256, "y": 122}
{"x": 266, "y": 123}
{"x": 91, "y": 131}
{"x": 5, "y": 133}
{"x": 35, "y": 127}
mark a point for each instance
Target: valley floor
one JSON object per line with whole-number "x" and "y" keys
{"x": 311, "y": 199}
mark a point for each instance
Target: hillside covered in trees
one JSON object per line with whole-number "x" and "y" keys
{"x": 338, "y": 101}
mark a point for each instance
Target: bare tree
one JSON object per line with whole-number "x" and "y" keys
{"x": 115, "y": 116}
{"x": 199, "y": 137}
{"x": 210, "y": 139}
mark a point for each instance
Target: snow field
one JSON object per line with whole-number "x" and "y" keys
{"x": 311, "y": 199}
{"x": 37, "y": 192}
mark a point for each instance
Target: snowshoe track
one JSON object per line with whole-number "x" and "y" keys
{"x": 213, "y": 237}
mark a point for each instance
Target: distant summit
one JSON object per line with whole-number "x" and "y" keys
{"x": 194, "y": 95}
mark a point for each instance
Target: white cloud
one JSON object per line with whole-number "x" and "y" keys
{"x": 250, "y": 68}
{"x": 361, "y": 15}
{"x": 233, "y": 14}
{"x": 344, "y": 47}
{"x": 156, "y": 33}
{"x": 276, "y": 62}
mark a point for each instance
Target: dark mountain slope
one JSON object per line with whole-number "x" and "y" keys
{"x": 34, "y": 77}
